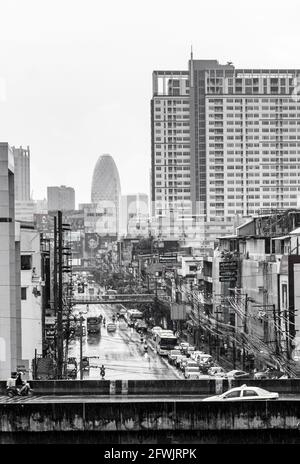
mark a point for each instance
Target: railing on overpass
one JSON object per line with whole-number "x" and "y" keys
{"x": 111, "y": 299}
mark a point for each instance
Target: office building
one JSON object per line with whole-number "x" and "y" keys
{"x": 41, "y": 206}
{"x": 61, "y": 198}
{"x": 22, "y": 173}
{"x": 24, "y": 206}
{"x": 243, "y": 153}
{"x": 10, "y": 297}
{"x": 134, "y": 215}
{"x": 105, "y": 194}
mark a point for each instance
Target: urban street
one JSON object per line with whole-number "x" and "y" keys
{"x": 121, "y": 352}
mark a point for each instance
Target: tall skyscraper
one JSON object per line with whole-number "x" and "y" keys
{"x": 61, "y": 198}
{"x": 24, "y": 206}
{"x": 244, "y": 146}
{"x": 105, "y": 194}
{"x": 22, "y": 173}
{"x": 170, "y": 163}
{"x": 10, "y": 300}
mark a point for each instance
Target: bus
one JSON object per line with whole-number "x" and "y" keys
{"x": 165, "y": 341}
{"x": 93, "y": 324}
{"x": 132, "y": 316}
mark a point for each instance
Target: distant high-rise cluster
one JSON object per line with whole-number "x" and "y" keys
{"x": 224, "y": 143}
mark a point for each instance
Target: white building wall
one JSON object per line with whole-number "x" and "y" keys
{"x": 31, "y": 308}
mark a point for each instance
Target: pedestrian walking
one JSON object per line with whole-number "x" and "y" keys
{"x": 102, "y": 371}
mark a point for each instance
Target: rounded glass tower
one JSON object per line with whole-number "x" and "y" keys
{"x": 105, "y": 194}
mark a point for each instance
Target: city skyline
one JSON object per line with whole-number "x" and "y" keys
{"x": 93, "y": 103}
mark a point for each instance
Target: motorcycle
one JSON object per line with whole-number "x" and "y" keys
{"x": 14, "y": 391}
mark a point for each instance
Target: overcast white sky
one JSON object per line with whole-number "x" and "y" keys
{"x": 78, "y": 74}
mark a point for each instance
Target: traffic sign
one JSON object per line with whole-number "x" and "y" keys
{"x": 228, "y": 265}
{"x": 227, "y": 279}
{"x": 168, "y": 259}
{"x": 227, "y": 273}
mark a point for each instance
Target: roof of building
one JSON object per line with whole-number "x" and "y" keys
{"x": 245, "y": 223}
{"x": 295, "y": 231}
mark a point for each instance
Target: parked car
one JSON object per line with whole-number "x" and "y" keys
{"x": 268, "y": 374}
{"x": 244, "y": 393}
{"x": 216, "y": 371}
{"x": 172, "y": 355}
{"x": 178, "y": 360}
{"x": 204, "y": 359}
{"x": 191, "y": 371}
{"x": 236, "y": 374}
{"x": 196, "y": 353}
{"x": 188, "y": 363}
{"x": 188, "y": 350}
{"x": 156, "y": 329}
{"x": 111, "y": 327}
{"x": 184, "y": 345}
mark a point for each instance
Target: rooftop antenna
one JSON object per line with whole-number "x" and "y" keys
{"x": 191, "y": 68}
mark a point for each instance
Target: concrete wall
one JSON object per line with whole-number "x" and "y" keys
{"x": 154, "y": 416}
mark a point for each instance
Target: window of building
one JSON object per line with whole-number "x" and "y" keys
{"x": 26, "y": 262}
{"x": 23, "y": 293}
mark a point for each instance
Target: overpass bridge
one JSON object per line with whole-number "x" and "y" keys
{"x": 149, "y": 412}
{"x": 113, "y": 299}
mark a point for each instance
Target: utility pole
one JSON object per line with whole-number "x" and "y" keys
{"x": 245, "y": 328}
{"x": 275, "y": 330}
{"x": 60, "y": 299}
{"x": 287, "y": 335}
{"x": 80, "y": 362}
{"x": 55, "y": 279}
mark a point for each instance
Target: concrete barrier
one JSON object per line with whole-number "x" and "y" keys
{"x": 67, "y": 387}
{"x": 154, "y": 387}
{"x": 171, "y": 387}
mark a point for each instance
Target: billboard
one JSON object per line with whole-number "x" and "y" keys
{"x": 43, "y": 222}
{"x": 92, "y": 243}
{"x": 228, "y": 271}
{"x": 170, "y": 258}
{"x": 178, "y": 312}
{"x": 228, "y": 266}
{"x": 76, "y": 240}
{"x": 76, "y": 223}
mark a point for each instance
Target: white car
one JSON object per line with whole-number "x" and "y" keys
{"x": 191, "y": 373}
{"x": 216, "y": 371}
{"x": 244, "y": 393}
{"x": 196, "y": 353}
{"x": 156, "y": 329}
